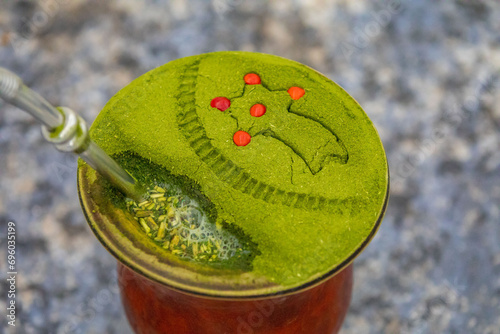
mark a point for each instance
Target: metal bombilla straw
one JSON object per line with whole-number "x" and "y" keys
{"x": 67, "y": 131}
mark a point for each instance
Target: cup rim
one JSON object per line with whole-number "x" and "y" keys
{"x": 128, "y": 249}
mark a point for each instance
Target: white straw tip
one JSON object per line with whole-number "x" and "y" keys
{"x": 9, "y": 84}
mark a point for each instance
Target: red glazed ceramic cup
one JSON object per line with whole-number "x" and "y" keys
{"x": 161, "y": 295}
{"x": 155, "y": 308}
{"x": 180, "y": 104}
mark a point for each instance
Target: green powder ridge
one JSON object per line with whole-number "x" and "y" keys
{"x": 310, "y": 187}
{"x": 191, "y": 229}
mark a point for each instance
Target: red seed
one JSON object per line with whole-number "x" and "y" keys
{"x": 221, "y": 103}
{"x": 258, "y": 110}
{"x": 296, "y": 92}
{"x": 252, "y": 79}
{"x": 242, "y": 138}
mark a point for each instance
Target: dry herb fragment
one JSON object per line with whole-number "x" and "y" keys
{"x": 175, "y": 224}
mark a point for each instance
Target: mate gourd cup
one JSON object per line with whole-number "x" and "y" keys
{"x": 267, "y": 148}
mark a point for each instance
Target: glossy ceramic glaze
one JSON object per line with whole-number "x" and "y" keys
{"x": 155, "y": 308}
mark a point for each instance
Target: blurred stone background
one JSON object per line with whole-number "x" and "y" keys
{"x": 426, "y": 72}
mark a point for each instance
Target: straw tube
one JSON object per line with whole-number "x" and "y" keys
{"x": 67, "y": 131}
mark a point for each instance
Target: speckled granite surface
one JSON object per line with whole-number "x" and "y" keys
{"x": 426, "y": 72}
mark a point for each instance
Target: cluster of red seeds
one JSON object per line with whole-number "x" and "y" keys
{"x": 243, "y": 138}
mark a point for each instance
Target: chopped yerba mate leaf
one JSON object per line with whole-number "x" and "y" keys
{"x": 177, "y": 224}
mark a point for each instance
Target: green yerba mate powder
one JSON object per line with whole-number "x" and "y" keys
{"x": 269, "y": 156}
